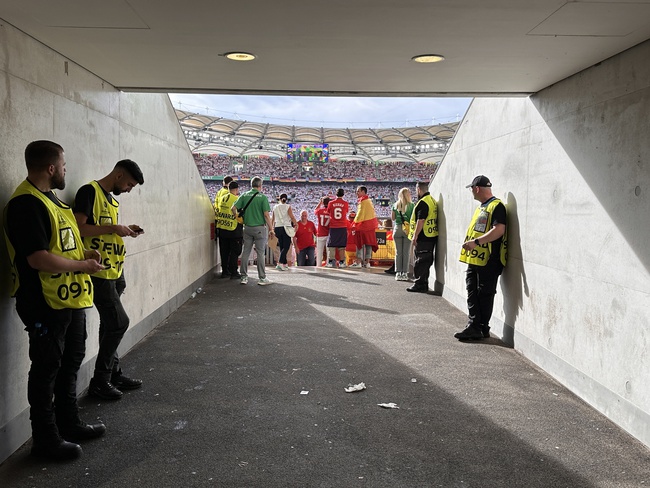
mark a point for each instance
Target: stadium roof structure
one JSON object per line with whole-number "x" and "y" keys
{"x": 207, "y": 134}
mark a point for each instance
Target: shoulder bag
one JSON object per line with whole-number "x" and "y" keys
{"x": 240, "y": 213}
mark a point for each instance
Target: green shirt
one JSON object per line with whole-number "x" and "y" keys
{"x": 254, "y": 213}
{"x": 407, "y": 213}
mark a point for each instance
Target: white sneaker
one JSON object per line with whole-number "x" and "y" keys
{"x": 264, "y": 281}
{"x": 279, "y": 267}
{"x": 285, "y": 267}
{"x": 355, "y": 265}
{"x": 368, "y": 265}
{"x": 398, "y": 277}
{"x": 243, "y": 280}
{"x": 330, "y": 264}
{"x": 342, "y": 264}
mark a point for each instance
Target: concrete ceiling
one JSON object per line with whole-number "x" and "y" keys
{"x": 334, "y": 47}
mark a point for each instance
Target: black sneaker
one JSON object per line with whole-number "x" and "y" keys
{"x": 469, "y": 334}
{"x": 57, "y": 450}
{"x": 235, "y": 276}
{"x": 81, "y": 431}
{"x": 224, "y": 275}
{"x": 103, "y": 389}
{"x": 485, "y": 330}
{"x": 418, "y": 289}
{"x": 122, "y": 382}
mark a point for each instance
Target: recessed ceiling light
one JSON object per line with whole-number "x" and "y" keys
{"x": 240, "y": 56}
{"x": 428, "y": 58}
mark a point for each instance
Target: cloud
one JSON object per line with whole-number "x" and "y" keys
{"x": 353, "y": 112}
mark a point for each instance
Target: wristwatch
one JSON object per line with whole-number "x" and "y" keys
{"x": 476, "y": 242}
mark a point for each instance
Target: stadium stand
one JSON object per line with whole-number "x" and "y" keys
{"x": 383, "y": 180}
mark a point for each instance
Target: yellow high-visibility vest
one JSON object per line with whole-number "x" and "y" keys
{"x": 60, "y": 290}
{"x": 430, "y": 227}
{"x": 480, "y": 224}
{"x": 110, "y": 246}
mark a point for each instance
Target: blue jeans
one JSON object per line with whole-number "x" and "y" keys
{"x": 306, "y": 257}
{"x": 259, "y": 236}
{"x": 364, "y": 253}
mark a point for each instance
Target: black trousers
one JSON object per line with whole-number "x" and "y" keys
{"x": 284, "y": 243}
{"x": 481, "y": 283}
{"x": 113, "y": 323}
{"x": 423, "y": 261}
{"x": 229, "y": 250}
{"x": 56, "y": 350}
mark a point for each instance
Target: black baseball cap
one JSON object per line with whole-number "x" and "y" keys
{"x": 480, "y": 180}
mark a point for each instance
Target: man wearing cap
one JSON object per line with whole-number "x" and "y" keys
{"x": 423, "y": 236}
{"x": 485, "y": 252}
{"x": 230, "y": 232}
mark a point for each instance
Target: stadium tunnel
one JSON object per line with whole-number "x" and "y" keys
{"x": 565, "y": 140}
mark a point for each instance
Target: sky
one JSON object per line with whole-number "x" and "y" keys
{"x": 351, "y": 112}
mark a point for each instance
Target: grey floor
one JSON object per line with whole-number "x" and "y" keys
{"x": 244, "y": 387}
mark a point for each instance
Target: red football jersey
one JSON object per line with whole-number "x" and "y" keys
{"x": 338, "y": 210}
{"x": 305, "y": 234}
{"x": 323, "y": 222}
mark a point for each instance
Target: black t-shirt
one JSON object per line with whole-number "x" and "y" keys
{"x": 421, "y": 212}
{"x": 84, "y": 201}
{"x": 29, "y": 230}
{"x": 498, "y": 217}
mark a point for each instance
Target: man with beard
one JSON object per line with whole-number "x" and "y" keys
{"x": 50, "y": 271}
{"x": 97, "y": 213}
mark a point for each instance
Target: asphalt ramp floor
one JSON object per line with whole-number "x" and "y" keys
{"x": 244, "y": 386}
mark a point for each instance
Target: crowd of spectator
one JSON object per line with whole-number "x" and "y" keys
{"x": 213, "y": 164}
{"x": 383, "y": 180}
{"x": 305, "y": 196}
{"x": 247, "y": 167}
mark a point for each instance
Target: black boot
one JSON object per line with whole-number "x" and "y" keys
{"x": 56, "y": 449}
{"x": 103, "y": 389}
{"x": 122, "y": 382}
{"x": 470, "y": 333}
{"x": 78, "y": 430}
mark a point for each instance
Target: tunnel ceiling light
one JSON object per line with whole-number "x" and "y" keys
{"x": 240, "y": 56}
{"x": 428, "y": 58}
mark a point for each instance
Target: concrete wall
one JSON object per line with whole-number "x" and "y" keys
{"x": 572, "y": 165}
{"x": 44, "y": 96}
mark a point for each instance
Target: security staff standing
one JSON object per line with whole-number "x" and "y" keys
{"x": 52, "y": 286}
{"x": 485, "y": 252}
{"x": 230, "y": 232}
{"x": 97, "y": 214}
{"x": 217, "y": 238}
{"x": 424, "y": 236}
